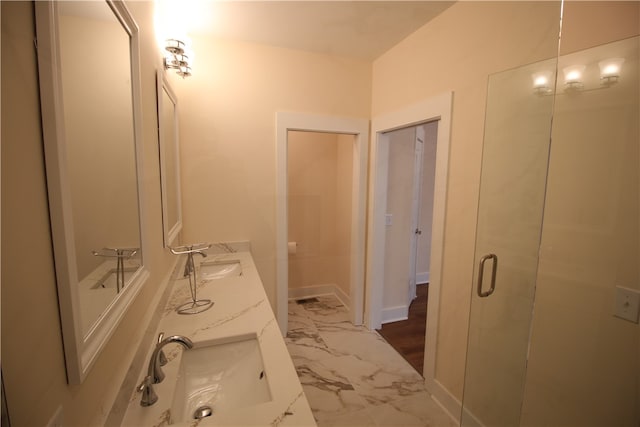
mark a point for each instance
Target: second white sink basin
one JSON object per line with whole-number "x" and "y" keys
{"x": 222, "y": 375}
{"x": 220, "y": 269}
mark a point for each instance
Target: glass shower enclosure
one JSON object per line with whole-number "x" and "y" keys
{"x": 557, "y": 244}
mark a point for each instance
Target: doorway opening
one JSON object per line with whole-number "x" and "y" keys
{"x": 358, "y": 131}
{"x": 436, "y": 109}
{"x": 408, "y": 220}
{"x": 320, "y": 170}
{"x": 408, "y": 216}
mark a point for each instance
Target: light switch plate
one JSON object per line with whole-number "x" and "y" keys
{"x": 627, "y": 304}
{"x": 388, "y": 219}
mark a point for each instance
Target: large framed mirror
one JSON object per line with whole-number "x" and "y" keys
{"x": 168, "y": 137}
{"x": 91, "y": 115}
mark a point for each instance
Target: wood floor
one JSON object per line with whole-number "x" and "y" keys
{"x": 407, "y": 336}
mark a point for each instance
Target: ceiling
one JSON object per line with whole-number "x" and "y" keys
{"x": 358, "y": 29}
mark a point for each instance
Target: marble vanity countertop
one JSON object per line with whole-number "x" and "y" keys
{"x": 241, "y": 308}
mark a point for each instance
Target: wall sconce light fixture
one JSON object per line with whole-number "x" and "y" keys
{"x": 573, "y": 76}
{"x": 576, "y": 80}
{"x": 176, "y": 59}
{"x": 610, "y": 70}
{"x": 542, "y": 82}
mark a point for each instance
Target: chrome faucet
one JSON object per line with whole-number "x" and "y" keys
{"x": 154, "y": 373}
{"x": 189, "y": 266}
{"x": 196, "y": 305}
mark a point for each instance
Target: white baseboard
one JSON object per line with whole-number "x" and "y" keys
{"x": 395, "y": 314}
{"x": 342, "y": 296}
{"x": 470, "y": 420}
{"x": 422, "y": 278}
{"x": 311, "y": 291}
{"x": 451, "y": 405}
{"x": 319, "y": 290}
{"x": 443, "y": 397}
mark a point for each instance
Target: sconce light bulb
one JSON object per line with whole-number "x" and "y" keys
{"x": 610, "y": 70}
{"x": 174, "y": 46}
{"x": 176, "y": 59}
{"x": 542, "y": 82}
{"x": 184, "y": 71}
{"x": 573, "y": 76}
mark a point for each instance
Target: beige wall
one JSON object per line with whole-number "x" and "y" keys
{"x": 227, "y": 134}
{"x": 591, "y": 23}
{"x": 457, "y": 51}
{"x": 319, "y": 208}
{"x": 32, "y": 355}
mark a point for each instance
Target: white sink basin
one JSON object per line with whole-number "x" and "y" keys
{"x": 223, "y": 374}
{"x": 220, "y": 269}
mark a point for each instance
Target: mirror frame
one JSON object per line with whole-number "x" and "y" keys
{"x": 170, "y": 231}
{"x": 81, "y": 351}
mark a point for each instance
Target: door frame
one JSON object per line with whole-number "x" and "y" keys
{"x": 359, "y": 128}
{"x": 416, "y": 199}
{"x": 437, "y": 108}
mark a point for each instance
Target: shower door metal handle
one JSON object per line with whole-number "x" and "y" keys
{"x": 484, "y": 259}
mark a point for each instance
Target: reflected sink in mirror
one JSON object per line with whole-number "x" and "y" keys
{"x": 223, "y": 375}
{"x": 220, "y": 269}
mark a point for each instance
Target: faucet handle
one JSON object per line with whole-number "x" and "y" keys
{"x": 149, "y": 396}
{"x": 162, "y": 359}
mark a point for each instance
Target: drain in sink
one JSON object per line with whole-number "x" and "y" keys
{"x": 202, "y": 412}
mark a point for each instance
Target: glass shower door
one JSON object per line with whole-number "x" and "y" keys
{"x": 512, "y": 195}
{"x": 583, "y": 367}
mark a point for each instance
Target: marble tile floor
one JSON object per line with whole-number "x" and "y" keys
{"x": 352, "y": 376}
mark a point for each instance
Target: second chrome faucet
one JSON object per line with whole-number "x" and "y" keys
{"x": 154, "y": 373}
{"x": 196, "y": 305}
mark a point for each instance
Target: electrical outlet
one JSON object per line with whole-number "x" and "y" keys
{"x": 627, "y": 304}
{"x": 56, "y": 419}
{"x": 388, "y": 219}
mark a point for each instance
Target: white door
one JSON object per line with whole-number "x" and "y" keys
{"x": 415, "y": 209}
